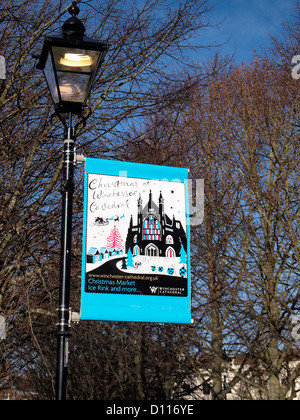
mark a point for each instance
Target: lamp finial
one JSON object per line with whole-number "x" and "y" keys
{"x": 73, "y": 28}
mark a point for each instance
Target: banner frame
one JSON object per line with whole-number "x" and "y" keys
{"x": 139, "y": 308}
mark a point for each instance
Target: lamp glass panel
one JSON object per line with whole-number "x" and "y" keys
{"x": 50, "y": 78}
{"x": 73, "y": 87}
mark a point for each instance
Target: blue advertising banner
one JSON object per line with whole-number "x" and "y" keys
{"x": 136, "y": 243}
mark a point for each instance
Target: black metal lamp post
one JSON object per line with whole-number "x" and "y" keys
{"x": 70, "y": 62}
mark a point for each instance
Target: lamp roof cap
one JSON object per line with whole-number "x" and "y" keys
{"x": 73, "y": 28}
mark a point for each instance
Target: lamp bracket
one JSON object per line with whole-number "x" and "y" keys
{"x": 79, "y": 158}
{"x": 58, "y": 115}
{"x": 83, "y": 120}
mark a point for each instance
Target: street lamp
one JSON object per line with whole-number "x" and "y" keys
{"x": 70, "y": 62}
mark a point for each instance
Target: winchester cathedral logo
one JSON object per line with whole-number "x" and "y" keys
{"x": 136, "y": 241}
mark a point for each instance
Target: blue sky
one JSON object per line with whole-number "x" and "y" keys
{"x": 247, "y": 25}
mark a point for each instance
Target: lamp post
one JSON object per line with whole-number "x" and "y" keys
{"x": 70, "y": 62}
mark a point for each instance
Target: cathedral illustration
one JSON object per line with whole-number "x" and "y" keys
{"x": 155, "y": 234}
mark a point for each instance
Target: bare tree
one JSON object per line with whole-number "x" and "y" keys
{"x": 243, "y": 137}
{"x": 240, "y": 132}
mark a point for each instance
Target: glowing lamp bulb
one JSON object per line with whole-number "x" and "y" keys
{"x": 76, "y": 60}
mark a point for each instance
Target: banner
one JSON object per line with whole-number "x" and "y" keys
{"x": 136, "y": 243}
